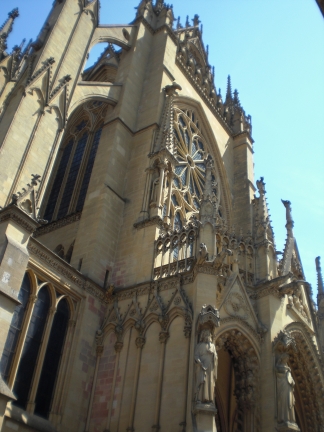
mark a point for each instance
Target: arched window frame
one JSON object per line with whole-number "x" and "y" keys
{"x": 87, "y": 120}
{"x": 56, "y": 296}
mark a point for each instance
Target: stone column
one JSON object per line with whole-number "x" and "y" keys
{"x": 140, "y": 341}
{"x": 99, "y": 351}
{"x": 118, "y": 347}
{"x": 163, "y": 337}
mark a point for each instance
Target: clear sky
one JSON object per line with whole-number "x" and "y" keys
{"x": 274, "y": 52}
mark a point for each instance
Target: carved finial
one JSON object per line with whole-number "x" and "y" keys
{"x": 289, "y": 219}
{"x": 187, "y": 21}
{"x": 35, "y": 179}
{"x": 179, "y": 26}
{"x": 196, "y": 20}
{"x": 236, "y": 98}
{"x": 320, "y": 286}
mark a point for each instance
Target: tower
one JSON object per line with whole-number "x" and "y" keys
{"x": 139, "y": 277}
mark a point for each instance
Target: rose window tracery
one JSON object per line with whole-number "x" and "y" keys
{"x": 190, "y": 170}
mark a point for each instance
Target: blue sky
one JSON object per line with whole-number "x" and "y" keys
{"x": 274, "y": 52}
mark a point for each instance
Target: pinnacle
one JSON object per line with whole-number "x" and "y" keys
{"x": 229, "y": 89}
{"x": 6, "y": 27}
{"x": 236, "y": 98}
{"x": 320, "y": 286}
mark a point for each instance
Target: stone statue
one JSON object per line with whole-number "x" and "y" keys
{"x": 202, "y": 254}
{"x": 285, "y": 390}
{"x": 206, "y": 368}
{"x": 155, "y": 192}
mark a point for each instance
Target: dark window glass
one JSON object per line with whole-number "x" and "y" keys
{"x": 52, "y": 360}
{"x": 58, "y": 182}
{"x": 15, "y": 328}
{"x": 30, "y": 351}
{"x": 70, "y": 182}
{"x": 87, "y": 174}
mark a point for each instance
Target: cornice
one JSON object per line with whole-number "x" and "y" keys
{"x": 57, "y": 224}
{"x": 156, "y": 220}
{"x": 50, "y": 260}
{"x": 15, "y": 214}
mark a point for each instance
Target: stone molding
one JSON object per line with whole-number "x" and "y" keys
{"x": 43, "y": 255}
{"x": 14, "y": 213}
{"x": 203, "y": 96}
{"x": 156, "y": 220}
{"x": 57, "y": 224}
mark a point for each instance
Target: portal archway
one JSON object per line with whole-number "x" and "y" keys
{"x": 237, "y": 383}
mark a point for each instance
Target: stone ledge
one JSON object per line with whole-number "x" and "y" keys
{"x": 5, "y": 390}
{"x": 31, "y": 420}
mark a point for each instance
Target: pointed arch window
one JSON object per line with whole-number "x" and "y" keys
{"x": 75, "y": 163}
{"x": 33, "y": 350}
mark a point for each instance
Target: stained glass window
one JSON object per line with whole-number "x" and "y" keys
{"x": 73, "y": 173}
{"x": 87, "y": 174}
{"x": 15, "y": 328}
{"x": 58, "y": 181}
{"x": 31, "y": 348}
{"x": 190, "y": 169}
{"x": 52, "y": 360}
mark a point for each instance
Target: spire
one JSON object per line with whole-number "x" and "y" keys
{"x": 228, "y": 90}
{"x": 320, "y": 286}
{"x": 6, "y": 27}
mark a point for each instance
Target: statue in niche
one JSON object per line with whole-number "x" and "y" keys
{"x": 155, "y": 190}
{"x": 206, "y": 368}
{"x": 285, "y": 390}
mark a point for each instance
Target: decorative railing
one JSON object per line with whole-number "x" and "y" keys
{"x": 175, "y": 252}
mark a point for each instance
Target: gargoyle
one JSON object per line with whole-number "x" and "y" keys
{"x": 219, "y": 260}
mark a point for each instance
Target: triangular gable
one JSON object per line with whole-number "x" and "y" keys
{"x": 236, "y": 303}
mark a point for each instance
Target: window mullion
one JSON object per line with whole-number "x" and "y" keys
{"x": 58, "y": 203}
{"x": 40, "y": 360}
{"x": 62, "y": 371}
{"x": 21, "y": 341}
{"x": 83, "y": 165}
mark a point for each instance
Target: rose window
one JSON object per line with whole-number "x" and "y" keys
{"x": 190, "y": 170}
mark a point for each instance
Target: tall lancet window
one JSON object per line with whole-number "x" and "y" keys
{"x": 70, "y": 182}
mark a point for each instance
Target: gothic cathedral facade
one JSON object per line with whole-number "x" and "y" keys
{"x": 140, "y": 286}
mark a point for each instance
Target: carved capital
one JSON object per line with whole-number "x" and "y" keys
{"x": 99, "y": 350}
{"x": 118, "y": 346}
{"x": 72, "y": 323}
{"x": 164, "y": 336}
{"x": 140, "y": 341}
